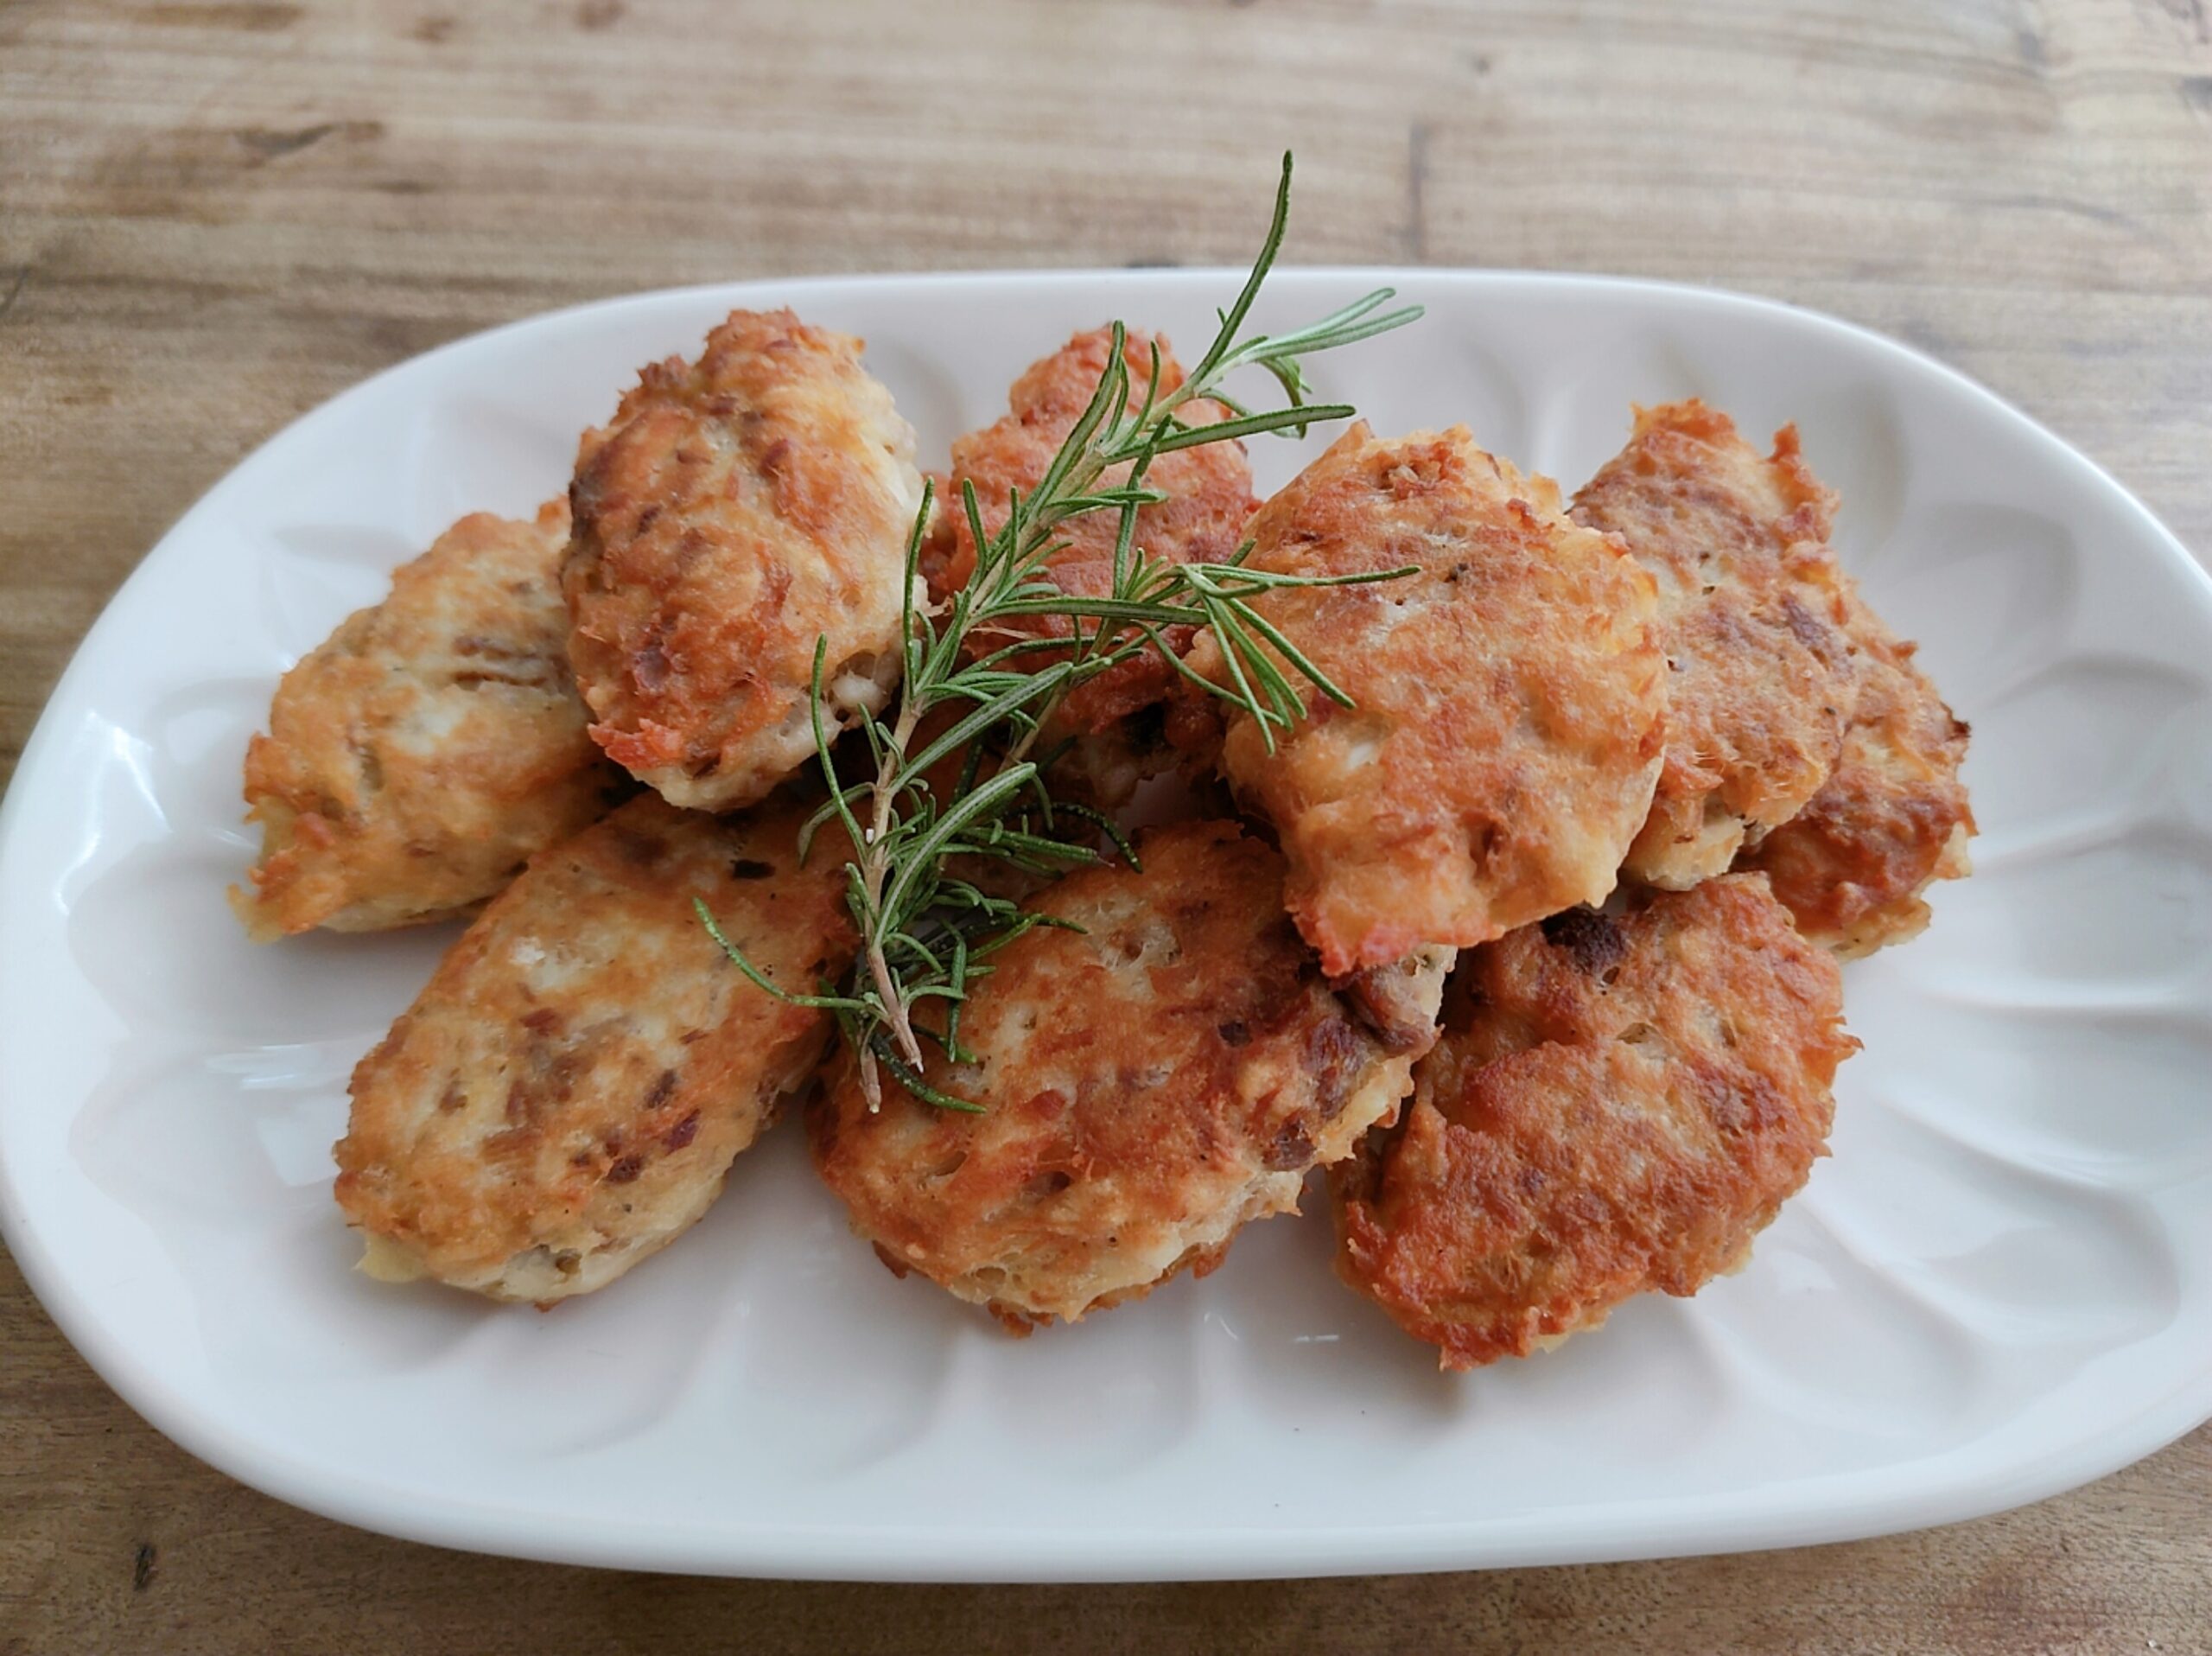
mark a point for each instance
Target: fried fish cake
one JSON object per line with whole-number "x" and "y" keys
{"x": 1893, "y": 817}
{"x": 736, "y": 509}
{"x": 1506, "y": 729}
{"x": 1620, "y": 1105}
{"x": 567, "y": 1095}
{"x": 424, "y": 752}
{"x": 1752, "y": 613}
{"x": 1149, "y": 1084}
{"x": 1208, "y": 490}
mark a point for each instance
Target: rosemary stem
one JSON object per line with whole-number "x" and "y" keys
{"x": 876, "y": 869}
{"x": 926, "y": 935}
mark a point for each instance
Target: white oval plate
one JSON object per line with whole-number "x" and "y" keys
{"x": 1996, "y": 1288}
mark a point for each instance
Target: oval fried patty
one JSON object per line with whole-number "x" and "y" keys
{"x": 1752, "y": 612}
{"x": 1892, "y": 819}
{"x": 1509, "y": 696}
{"x": 1208, "y": 490}
{"x": 1620, "y": 1105}
{"x": 567, "y": 1095}
{"x": 735, "y": 510}
{"x": 1149, "y": 1084}
{"x": 424, "y": 752}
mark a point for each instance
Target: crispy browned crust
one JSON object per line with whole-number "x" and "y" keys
{"x": 1150, "y": 1083}
{"x": 1894, "y": 817}
{"x": 1506, "y": 731}
{"x": 567, "y": 1094}
{"x": 1209, "y": 494}
{"x": 735, "y": 509}
{"x": 1625, "y": 1103}
{"x": 1751, "y": 610}
{"x": 419, "y": 756}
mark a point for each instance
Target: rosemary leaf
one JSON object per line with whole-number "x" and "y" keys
{"x": 926, "y": 935}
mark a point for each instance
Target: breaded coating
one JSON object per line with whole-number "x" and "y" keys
{"x": 1617, "y": 1104}
{"x": 735, "y": 510}
{"x": 1509, "y": 697}
{"x": 424, "y": 751}
{"x": 1752, "y": 612}
{"x": 1149, "y": 1084}
{"x": 1892, "y": 819}
{"x": 567, "y": 1095}
{"x": 1209, "y": 500}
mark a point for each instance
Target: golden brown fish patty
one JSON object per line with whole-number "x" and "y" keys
{"x": 424, "y": 752}
{"x": 567, "y": 1095}
{"x": 1616, "y": 1104}
{"x": 735, "y": 510}
{"x": 1507, "y": 726}
{"x": 1892, "y": 819}
{"x": 1150, "y": 1084}
{"x": 1752, "y": 612}
{"x": 1208, "y": 490}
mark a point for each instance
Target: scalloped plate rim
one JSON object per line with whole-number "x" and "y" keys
{"x": 1728, "y": 1521}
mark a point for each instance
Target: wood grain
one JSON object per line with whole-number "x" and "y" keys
{"x": 212, "y": 216}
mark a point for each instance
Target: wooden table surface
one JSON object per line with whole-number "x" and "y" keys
{"x": 212, "y": 216}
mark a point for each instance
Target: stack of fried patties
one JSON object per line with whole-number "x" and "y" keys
{"x": 1632, "y": 775}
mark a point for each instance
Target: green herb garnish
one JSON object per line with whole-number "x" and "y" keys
{"x": 925, "y": 934}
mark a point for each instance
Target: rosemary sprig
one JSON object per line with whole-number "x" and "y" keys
{"x": 973, "y": 670}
